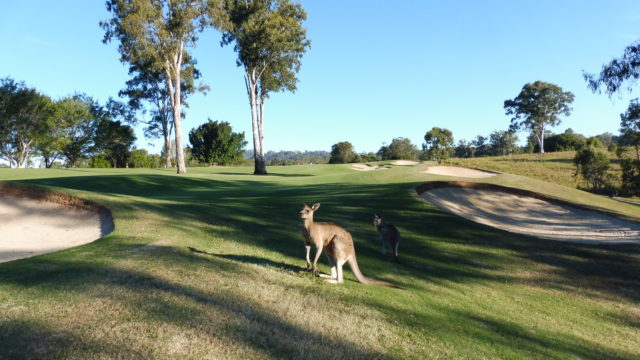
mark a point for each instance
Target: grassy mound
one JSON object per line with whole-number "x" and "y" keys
{"x": 210, "y": 265}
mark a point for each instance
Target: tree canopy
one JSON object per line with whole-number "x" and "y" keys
{"x": 215, "y": 143}
{"x": 438, "y": 144}
{"x": 400, "y": 148}
{"x": 538, "y": 106}
{"x": 153, "y": 37}
{"x": 613, "y": 75}
{"x": 342, "y": 153}
{"x": 24, "y": 119}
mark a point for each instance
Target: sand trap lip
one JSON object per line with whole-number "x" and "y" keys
{"x": 34, "y": 221}
{"x": 528, "y": 213}
{"x": 458, "y": 171}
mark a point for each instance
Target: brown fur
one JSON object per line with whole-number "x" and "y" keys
{"x": 338, "y": 244}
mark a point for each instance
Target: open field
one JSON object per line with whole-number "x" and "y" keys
{"x": 210, "y": 265}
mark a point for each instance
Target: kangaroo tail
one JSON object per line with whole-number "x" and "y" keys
{"x": 395, "y": 252}
{"x": 361, "y": 278}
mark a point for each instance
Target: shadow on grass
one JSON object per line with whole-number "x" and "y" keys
{"x": 247, "y": 259}
{"x": 437, "y": 246}
{"x": 213, "y": 315}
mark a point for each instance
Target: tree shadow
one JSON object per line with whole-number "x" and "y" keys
{"x": 263, "y": 214}
{"x": 255, "y": 260}
{"x": 239, "y": 322}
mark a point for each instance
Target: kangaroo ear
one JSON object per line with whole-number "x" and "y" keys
{"x": 315, "y": 206}
{"x": 304, "y": 205}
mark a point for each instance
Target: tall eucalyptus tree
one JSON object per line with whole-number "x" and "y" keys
{"x": 157, "y": 33}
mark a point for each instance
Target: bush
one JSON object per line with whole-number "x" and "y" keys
{"x": 215, "y": 143}
{"x": 592, "y": 165}
{"x": 342, "y": 153}
{"x": 99, "y": 161}
{"x": 630, "y": 177}
{"x": 399, "y": 149}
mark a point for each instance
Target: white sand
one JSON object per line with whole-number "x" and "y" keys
{"x": 404, "y": 163}
{"x": 30, "y": 227}
{"x": 530, "y": 216}
{"x": 364, "y": 167}
{"x": 458, "y": 171}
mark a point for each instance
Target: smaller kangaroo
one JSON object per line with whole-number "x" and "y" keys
{"x": 389, "y": 236}
{"x": 339, "y": 245}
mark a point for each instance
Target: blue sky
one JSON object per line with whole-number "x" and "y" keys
{"x": 376, "y": 70}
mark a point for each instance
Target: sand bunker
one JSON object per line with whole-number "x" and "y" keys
{"x": 458, "y": 171}
{"x": 30, "y": 227}
{"x": 366, "y": 167}
{"x": 404, "y": 163}
{"x": 532, "y": 216}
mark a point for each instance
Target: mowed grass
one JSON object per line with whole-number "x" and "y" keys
{"x": 210, "y": 266}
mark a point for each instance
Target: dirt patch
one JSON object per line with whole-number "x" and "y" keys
{"x": 458, "y": 171}
{"x": 36, "y": 221}
{"x": 523, "y": 212}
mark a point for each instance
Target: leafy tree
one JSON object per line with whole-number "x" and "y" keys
{"x": 215, "y": 143}
{"x": 630, "y": 176}
{"x": 99, "y": 161}
{"x": 147, "y": 87}
{"x": 616, "y": 72}
{"x": 481, "y": 146}
{"x": 464, "y": 149}
{"x": 153, "y": 36}
{"x": 438, "y": 144}
{"x": 342, "y": 153}
{"x": 538, "y": 106}
{"x": 24, "y": 119}
{"x": 567, "y": 141}
{"x": 592, "y": 165}
{"x": 503, "y": 143}
{"x": 630, "y": 127}
{"x": 270, "y": 41}
{"x": 139, "y": 158}
{"x": 76, "y": 117}
{"x": 114, "y": 140}
{"x": 400, "y": 148}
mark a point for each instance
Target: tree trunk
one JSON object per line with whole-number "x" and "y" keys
{"x": 540, "y": 139}
{"x": 256, "y": 122}
{"x": 173, "y": 83}
{"x": 167, "y": 144}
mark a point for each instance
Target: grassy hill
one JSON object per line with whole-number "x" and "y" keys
{"x": 555, "y": 167}
{"x": 211, "y": 265}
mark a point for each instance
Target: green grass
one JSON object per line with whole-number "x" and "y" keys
{"x": 210, "y": 265}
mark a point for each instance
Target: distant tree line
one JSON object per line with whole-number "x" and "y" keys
{"x": 278, "y": 158}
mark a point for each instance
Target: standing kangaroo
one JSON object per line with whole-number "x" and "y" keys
{"x": 339, "y": 246}
{"x": 389, "y": 236}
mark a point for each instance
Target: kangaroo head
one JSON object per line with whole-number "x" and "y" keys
{"x": 377, "y": 220}
{"x": 307, "y": 212}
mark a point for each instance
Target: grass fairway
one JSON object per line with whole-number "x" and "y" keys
{"x": 210, "y": 266}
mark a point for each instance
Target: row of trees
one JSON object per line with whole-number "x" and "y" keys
{"x": 154, "y": 38}
{"x": 72, "y": 128}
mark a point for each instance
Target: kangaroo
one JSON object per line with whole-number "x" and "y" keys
{"x": 389, "y": 236}
{"x": 339, "y": 245}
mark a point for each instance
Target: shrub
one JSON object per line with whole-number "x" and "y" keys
{"x": 592, "y": 165}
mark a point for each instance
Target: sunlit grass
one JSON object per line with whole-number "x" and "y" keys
{"x": 210, "y": 265}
